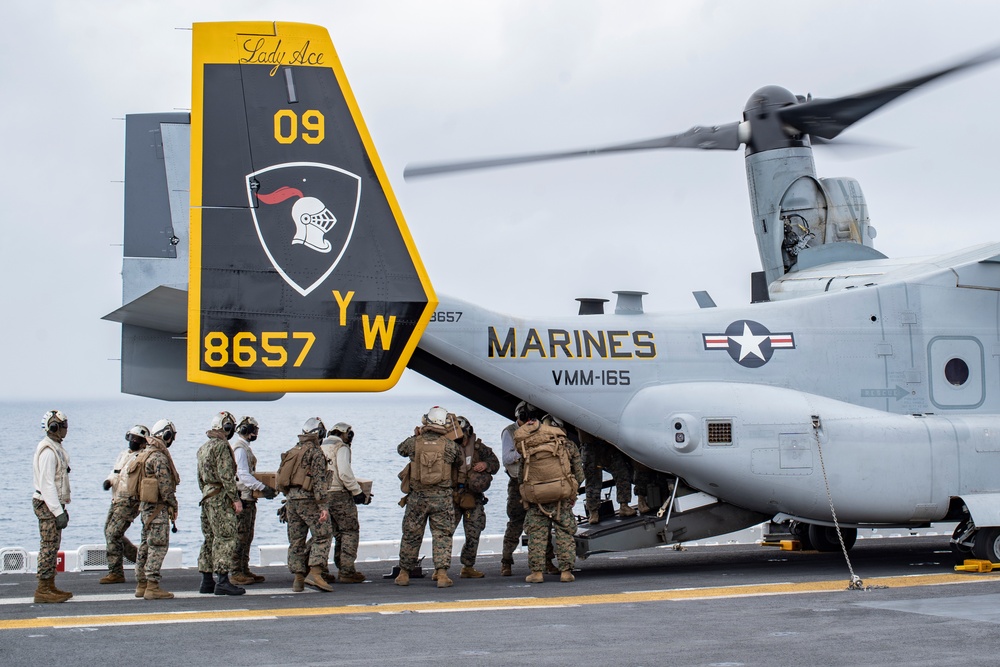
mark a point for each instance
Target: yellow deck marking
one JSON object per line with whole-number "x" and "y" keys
{"x": 492, "y": 604}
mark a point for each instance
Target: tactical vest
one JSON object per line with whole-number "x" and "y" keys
{"x": 62, "y": 468}
{"x": 245, "y": 493}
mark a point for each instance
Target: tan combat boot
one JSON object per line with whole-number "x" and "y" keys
{"x": 140, "y": 589}
{"x": 643, "y": 505}
{"x": 444, "y": 581}
{"x": 535, "y": 578}
{"x": 257, "y": 578}
{"x": 52, "y": 581}
{"x": 113, "y": 578}
{"x": 241, "y": 579}
{"x": 316, "y": 580}
{"x": 469, "y": 572}
{"x": 299, "y": 583}
{"x": 566, "y": 576}
{"x": 45, "y": 593}
{"x": 351, "y": 577}
{"x": 154, "y": 592}
{"x": 593, "y": 518}
{"x": 404, "y": 578}
{"x": 506, "y": 569}
{"x": 626, "y": 510}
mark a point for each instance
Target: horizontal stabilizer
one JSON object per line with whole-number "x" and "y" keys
{"x": 153, "y": 365}
{"x": 162, "y": 308}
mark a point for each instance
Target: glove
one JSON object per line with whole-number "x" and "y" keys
{"x": 107, "y": 484}
{"x": 359, "y": 498}
{"x": 269, "y": 493}
{"x": 62, "y": 520}
{"x": 282, "y": 513}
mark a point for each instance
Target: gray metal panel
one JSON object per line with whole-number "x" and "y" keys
{"x": 154, "y": 365}
{"x": 148, "y": 227}
{"x": 163, "y": 309}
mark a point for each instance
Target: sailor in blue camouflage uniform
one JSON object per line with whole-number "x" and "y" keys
{"x": 220, "y": 503}
{"x": 433, "y": 455}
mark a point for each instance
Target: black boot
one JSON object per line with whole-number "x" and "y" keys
{"x": 207, "y": 583}
{"x": 224, "y": 587}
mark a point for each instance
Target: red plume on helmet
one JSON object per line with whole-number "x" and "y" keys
{"x": 280, "y": 195}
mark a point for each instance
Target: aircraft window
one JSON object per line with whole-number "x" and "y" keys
{"x": 956, "y": 372}
{"x": 720, "y": 433}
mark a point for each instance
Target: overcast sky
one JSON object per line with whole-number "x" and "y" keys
{"x": 447, "y": 80}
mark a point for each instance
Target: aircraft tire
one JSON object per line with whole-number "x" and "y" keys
{"x": 986, "y": 544}
{"x": 800, "y": 531}
{"x": 824, "y": 538}
{"x": 960, "y": 551}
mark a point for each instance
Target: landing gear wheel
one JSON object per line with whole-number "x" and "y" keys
{"x": 824, "y": 538}
{"x": 961, "y": 552}
{"x": 800, "y": 531}
{"x": 986, "y": 544}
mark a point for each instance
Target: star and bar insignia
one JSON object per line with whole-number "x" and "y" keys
{"x": 749, "y": 343}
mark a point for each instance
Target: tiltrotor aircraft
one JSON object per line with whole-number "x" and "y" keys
{"x": 265, "y": 253}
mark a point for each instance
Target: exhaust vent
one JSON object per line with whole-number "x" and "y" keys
{"x": 629, "y": 302}
{"x": 591, "y": 306}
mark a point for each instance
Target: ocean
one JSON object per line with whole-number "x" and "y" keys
{"x": 97, "y": 434}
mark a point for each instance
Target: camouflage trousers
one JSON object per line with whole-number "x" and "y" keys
{"x": 437, "y": 508}
{"x": 540, "y": 527}
{"x": 51, "y": 537}
{"x": 303, "y": 519}
{"x": 154, "y": 543}
{"x": 218, "y": 525}
{"x": 516, "y": 512}
{"x": 598, "y": 456}
{"x": 121, "y": 514}
{"x": 245, "y": 523}
{"x": 475, "y": 522}
{"x": 346, "y": 530}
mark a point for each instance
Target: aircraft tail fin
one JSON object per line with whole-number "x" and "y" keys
{"x": 264, "y": 249}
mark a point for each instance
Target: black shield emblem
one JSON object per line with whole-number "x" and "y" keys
{"x": 304, "y": 213}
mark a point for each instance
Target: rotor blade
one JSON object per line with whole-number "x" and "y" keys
{"x": 719, "y": 137}
{"x": 827, "y": 118}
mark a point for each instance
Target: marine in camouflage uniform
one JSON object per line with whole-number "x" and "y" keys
{"x": 50, "y": 475}
{"x": 542, "y": 519}
{"x": 123, "y": 511}
{"x": 516, "y": 510}
{"x": 219, "y": 505}
{"x": 307, "y": 513}
{"x": 345, "y": 496}
{"x": 476, "y": 458}
{"x": 156, "y": 517}
{"x": 429, "y": 504}
{"x": 599, "y": 455}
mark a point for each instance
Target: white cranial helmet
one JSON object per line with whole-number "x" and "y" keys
{"x": 53, "y": 420}
{"x": 314, "y": 425}
{"x": 225, "y": 422}
{"x": 165, "y": 430}
{"x": 437, "y": 415}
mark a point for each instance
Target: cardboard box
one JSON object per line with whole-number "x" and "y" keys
{"x": 269, "y": 478}
{"x": 366, "y": 488}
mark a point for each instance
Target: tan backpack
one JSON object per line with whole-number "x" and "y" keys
{"x": 428, "y": 467}
{"x": 291, "y": 472}
{"x": 547, "y": 471}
